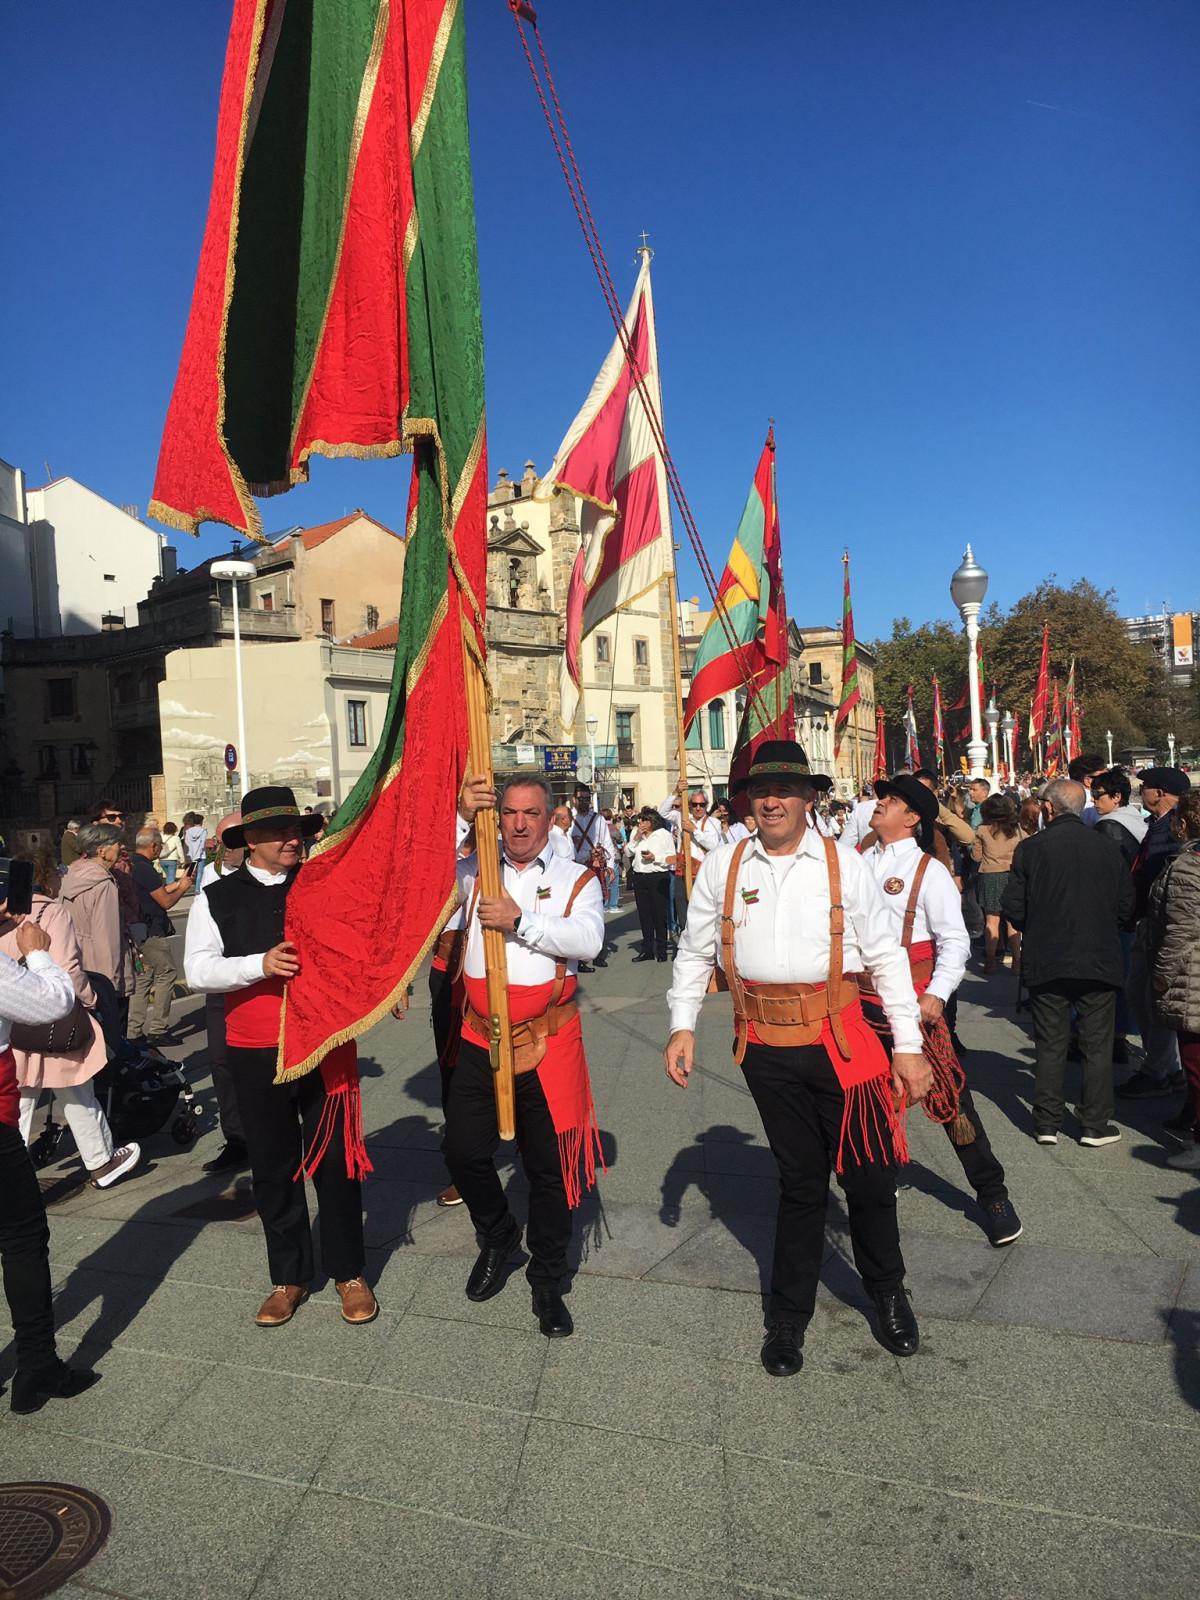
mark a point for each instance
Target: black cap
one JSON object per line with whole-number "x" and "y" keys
{"x": 273, "y": 803}
{"x": 916, "y": 797}
{"x": 1171, "y": 780}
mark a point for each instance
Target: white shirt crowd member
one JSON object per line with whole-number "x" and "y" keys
{"x": 705, "y": 836}
{"x": 205, "y": 965}
{"x": 939, "y": 908}
{"x": 858, "y": 823}
{"x": 589, "y": 830}
{"x": 39, "y": 991}
{"x": 782, "y": 935}
{"x": 544, "y": 935}
{"x": 560, "y": 842}
{"x": 659, "y": 844}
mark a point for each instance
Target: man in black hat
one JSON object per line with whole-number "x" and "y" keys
{"x": 926, "y": 912}
{"x": 792, "y": 920}
{"x": 236, "y": 947}
{"x": 1160, "y": 1072}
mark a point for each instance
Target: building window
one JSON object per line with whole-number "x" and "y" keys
{"x": 370, "y": 619}
{"x": 694, "y": 740}
{"x": 814, "y": 672}
{"x": 267, "y": 599}
{"x": 47, "y": 761}
{"x": 356, "y": 721}
{"x": 716, "y": 726}
{"x": 81, "y": 761}
{"x": 327, "y": 618}
{"x": 110, "y": 577}
{"x": 603, "y": 650}
{"x": 625, "y": 754}
{"x": 60, "y": 697}
{"x": 641, "y": 652}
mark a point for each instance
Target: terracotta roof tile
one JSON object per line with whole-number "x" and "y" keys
{"x": 312, "y": 537}
{"x": 384, "y": 638}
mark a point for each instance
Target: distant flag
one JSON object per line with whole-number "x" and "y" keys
{"x": 1037, "y": 720}
{"x": 609, "y": 460}
{"x": 939, "y": 731}
{"x": 750, "y": 607}
{"x": 912, "y": 751}
{"x": 1054, "y": 750}
{"x": 850, "y": 690}
{"x": 880, "y": 768}
{"x": 1071, "y": 717}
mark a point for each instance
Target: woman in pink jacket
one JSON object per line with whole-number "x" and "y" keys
{"x": 69, "y": 1074}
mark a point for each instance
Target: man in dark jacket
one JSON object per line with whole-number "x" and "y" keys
{"x": 1160, "y": 1072}
{"x": 1069, "y": 893}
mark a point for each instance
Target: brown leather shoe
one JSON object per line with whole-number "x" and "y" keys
{"x": 358, "y": 1303}
{"x": 280, "y": 1305}
{"x": 450, "y": 1197}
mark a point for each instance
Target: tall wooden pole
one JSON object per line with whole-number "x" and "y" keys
{"x": 495, "y": 958}
{"x": 685, "y": 843}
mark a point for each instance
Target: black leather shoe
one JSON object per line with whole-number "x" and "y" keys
{"x": 487, "y": 1275}
{"x": 897, "y": 1323}
{"x": 552, "y": 1314}
{"x": 31, "y": 1390}
{"x": 228, "y": 1157}
{"x": 781, "y": 1353}
{"x": 643, "y": 955}
{"x": 662, "y": 958}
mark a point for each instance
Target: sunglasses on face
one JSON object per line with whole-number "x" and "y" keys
{"x": 114, "y": 816}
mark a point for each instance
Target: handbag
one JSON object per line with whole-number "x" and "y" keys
{"x": 69, "y": 1033}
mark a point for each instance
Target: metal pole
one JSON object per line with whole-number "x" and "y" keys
{"x": 685, "y": 843}
{"x": 243, "y": 753}
{"x": 976, "y": 749}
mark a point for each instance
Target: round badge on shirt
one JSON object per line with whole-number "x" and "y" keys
{"x": 893, "y": 885}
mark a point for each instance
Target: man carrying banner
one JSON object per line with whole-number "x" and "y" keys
{"x": 792, "y": 921}
{"x": 551, "y": 913}
{"x": 926, "y": 915}
{"x": 592, "y": 847}
{"x": 311, "y": 1127}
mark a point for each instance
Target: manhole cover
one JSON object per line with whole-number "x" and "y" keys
{"x": 48, "y": 1531}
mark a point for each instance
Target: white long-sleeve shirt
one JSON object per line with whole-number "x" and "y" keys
{"x": 659, "y": 844}
{"x": 206, "y": 967}
{"x": 782, "y": 931}
{"x": 939, "y": 908}
{"x": 858, "y": 824}
{"x": 560, "y": 843}
{"x": 589, "y": 830}
{"x": 704, "y": 838}
{"x": 543, "y": 935}
{"x": 39, "y": 991}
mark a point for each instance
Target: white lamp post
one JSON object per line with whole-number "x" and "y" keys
{"x": 992, "y": 717}
{"x": 1008, "y": 728}
{"x": 1171, "y": 747}
{"x": 237, "y": 572}
{"x": 1108, "y": 736}
{"x": 592, "y": 725}
{"x": 967, "y": 589}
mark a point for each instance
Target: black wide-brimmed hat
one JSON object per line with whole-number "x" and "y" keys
{"x": 273, "y": 803}
{"x": 784, "y": 757}
{"x": 916, "y": 797}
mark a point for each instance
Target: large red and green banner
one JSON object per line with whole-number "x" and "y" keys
{"x": 1037, "y": 716}
{"x": 939, "y": 727}
{"x": 851, "y": 695}
{"x": 745, "y": 642}
{"x": 336, "y": 312}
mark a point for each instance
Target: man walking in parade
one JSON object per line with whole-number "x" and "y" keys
{"x": 792, "y": 920}
{"x": 592, "y": 846}
{"x": 551, "y": 913}
{"x": 236, "y": 947}
{"x": 926, "y": 915}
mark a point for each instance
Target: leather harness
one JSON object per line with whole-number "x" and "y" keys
{"x": 790, "y": 1013}
{"x": 921, "y": 971}
{"x": 528, "y": 1037}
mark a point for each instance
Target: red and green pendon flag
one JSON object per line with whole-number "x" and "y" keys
{"x": 745, "y": 642}
{"x": 1054, "y": 743}
{"x": 939, "y": 729}
{"x": 850, "y": 691}
{"x": 879, "y": 769}
{"x": 336, "y": 311}
{"x": 912, "y": 750}
{"x": 1037, "y": 716}
{"x": 1072, "y": 732}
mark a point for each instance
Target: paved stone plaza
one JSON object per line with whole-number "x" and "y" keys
{"x": 1044, "y": 1441}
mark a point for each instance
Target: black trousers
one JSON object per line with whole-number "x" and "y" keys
{"x": 650, "y": 896}
{"x": 445, "y": 1018}
{"x": 25, "y": 1254}
{"x": 469, "y": 1147}
{"x": 228, "y": 1114}
{"x": 1096, "y": 1008}
{"x": 801, "y": 1102}
{"x": 280, "y": 1121}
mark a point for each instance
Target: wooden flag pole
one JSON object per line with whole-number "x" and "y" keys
{"x": 495, "y": 958}
{"x": 685, "y": 843}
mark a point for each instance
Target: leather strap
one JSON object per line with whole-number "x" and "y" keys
{"x": 560, "y": 967}
{"x": 910, "y": 911}
{"x": 837, "y": 929}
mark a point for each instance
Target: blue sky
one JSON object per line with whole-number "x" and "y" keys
{"x": 950, "y": 245}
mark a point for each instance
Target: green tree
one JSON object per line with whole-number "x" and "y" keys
{"x": 912, "y": 656}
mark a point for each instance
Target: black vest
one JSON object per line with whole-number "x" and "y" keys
{"x": 248, "y": 914}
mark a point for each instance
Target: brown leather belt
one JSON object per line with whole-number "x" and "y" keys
{"x": 796, "y": 1005}
{"x": 922, "y": 972}
{"x": 448, "y": 949}
{"x": 528, "y": 1037}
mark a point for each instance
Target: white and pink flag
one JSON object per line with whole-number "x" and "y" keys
{"x": 610, "y": 461}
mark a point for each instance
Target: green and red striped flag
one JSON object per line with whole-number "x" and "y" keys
{"x": 939, "y": 729}
{"x": 850, "y": 690}
{"x": 748, "y": 604}
{"x": 336, "y": 312}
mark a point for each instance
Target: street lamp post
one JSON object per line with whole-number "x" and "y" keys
{"x": 992, "y": 717}
{"x": 1009, "y": 728}
{"x": 967, "y": 589}
{"x": 1171, "y": 748}
{"x": 1108, "y": 736}
{"x": 236, "y": 572}
{"x": 592, "y": 725}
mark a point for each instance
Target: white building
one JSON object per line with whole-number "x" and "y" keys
{"x": 70, "y": 562}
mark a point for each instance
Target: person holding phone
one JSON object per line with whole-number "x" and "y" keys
{"x": 32, "y": 990}
{"x": 651, "y": 852}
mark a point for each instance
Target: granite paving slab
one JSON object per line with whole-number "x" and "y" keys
{"x": 1107, "y": 1296}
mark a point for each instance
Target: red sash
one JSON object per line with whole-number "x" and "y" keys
{"x": 10, "y": 1092}
{"x": 252, "y": 1015}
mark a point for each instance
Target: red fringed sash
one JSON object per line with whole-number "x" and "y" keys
{"x": 563, "y": 1075}
{"x": 10, "y": 1092}
{"x": 941, "y": 1104}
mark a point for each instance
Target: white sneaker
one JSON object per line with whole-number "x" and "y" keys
{"x": 1185, "y": 1160}
{"x": 123, "y": 1160}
